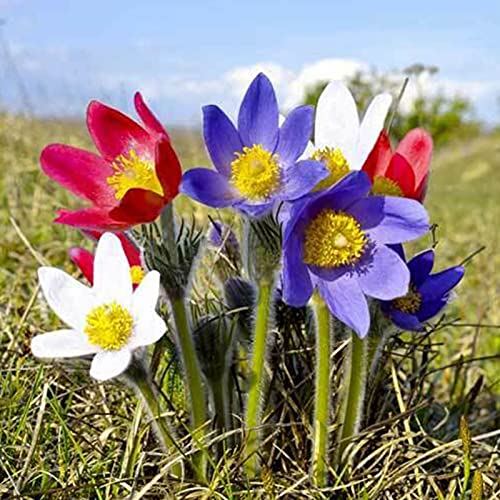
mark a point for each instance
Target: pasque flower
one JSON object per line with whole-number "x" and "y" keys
{"x": 341, "y": 142}
{"x": 403, "y": 172}
{"x": 337, "y": 241}
{"x": 134, "y": 175}
{"x": 256, "y": 164}
{"x": 428, "y": 293}
{"x": 85, "y": 259}
{"x": 108, "y": 320}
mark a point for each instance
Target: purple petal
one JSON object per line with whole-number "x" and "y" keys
{"x": 209, "y": 187}
{"x": 295, "y": 133}
{"x": 389, "y": 219}
{"x": 258, "y": 116}
{"x": 439, "y": 284}
{"x": 329, "y": 273}
{"x": 406, "y": 321}
{"x": 221, "y": 138}
{"x": 383, "y": 275}
{"x": 398, "y": 248}
{"x": 254, "y": 210}
{"x": 431, "y": 308}
{"x": 346, "y": 301}
{"x": 297, "y": 284}
{"x": 301, "y": 178}
{"x": 420, "y": 267}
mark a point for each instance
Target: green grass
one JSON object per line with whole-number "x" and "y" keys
{"x": 64, "y": 436}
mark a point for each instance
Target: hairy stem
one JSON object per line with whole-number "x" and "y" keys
{"x": 254, "y": 402}
{"x": 322, "y": 393}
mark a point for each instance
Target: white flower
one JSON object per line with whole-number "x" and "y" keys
{"x": 108, "y": 320}
{"x": 340, "y": 140}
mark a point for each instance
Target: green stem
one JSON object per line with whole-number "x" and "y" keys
{"x": 220, "y": 393}
{"x": 193, "y": 378}
{"x": 322, "y": 393}
{"x": 144, "y": 385}
{"x": 355, "y": 393}
{"x": 254, "y": 401}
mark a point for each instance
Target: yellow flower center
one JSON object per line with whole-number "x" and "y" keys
{"x": 109, "y": 326}
{"x": 336, "y": 164}
{"x": 255, "y": 173}
{"x": 136, "y": 274}
{"x": 333, "y": 239}
{"x": 382, "y": 186}
{"x": 410, "y": 303}
{"x": 133, "y": 172}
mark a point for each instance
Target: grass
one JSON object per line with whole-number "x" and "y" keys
{"x": 64, "y": 436}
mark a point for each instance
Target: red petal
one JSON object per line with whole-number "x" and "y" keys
{"x": 138, "y": 206}
{"x": 114, "y": 133}
{"x": 91, "y": 218}
{"x": 422, "y": 189}
{"x": 85, "y": 262}
{"x": 379, "y": 158}
{"x": 148, "y": 118}
{"x": 80, "y": 171}
{"x": 401, "y": 172}
{"x": 416, "y": 147}
{"x": 168, "y": 169}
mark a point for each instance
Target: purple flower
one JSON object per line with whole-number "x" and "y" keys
{"x": 256, "y": 164}
{"x": 336, "y": 241}
{"x": 428, "y": 293}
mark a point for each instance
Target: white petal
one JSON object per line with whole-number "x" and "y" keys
{"x": 109, "y": 364}
{"x": 112, "y": 279}
{"x": 147, "y": 330}
{"x": 370, "y": 128}
{"x": 146, "y": 294}
{"x": 62, "y": 344}
{"x": 69, "y": 299}
{"x": 337, "y": 122}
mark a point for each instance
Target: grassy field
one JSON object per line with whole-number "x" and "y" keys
{"x": 67, "y": 437}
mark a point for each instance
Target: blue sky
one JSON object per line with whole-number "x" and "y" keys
{"x": 185, "y": 54}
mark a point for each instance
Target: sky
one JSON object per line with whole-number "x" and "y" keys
{"x": 56, "y": 55}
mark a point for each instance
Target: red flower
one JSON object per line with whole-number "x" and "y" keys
{"x": 403, "y": 172}
{"x": 85, "y": 260}
{"x": 136, "y": 174}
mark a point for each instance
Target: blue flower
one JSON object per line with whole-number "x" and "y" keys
{"x": 337, "y": 241}
{"x": 256, "y": 164}
{"x": 428, "y": 293}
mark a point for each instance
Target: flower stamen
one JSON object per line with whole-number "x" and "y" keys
{"x": 136, "y": 274}
{"x": 255, "y": 173}
{"x": 336, "y": 164}
{"x": 409, "y": 303}
{"x": 382, "y": 186}
{"x": 333, "y": 239}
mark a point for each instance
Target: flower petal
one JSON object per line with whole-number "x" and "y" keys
{"x": 295, "y": 133}
{"x": 384, "y": 275}
{"x": 110, "y": 364}
{"x": 168, "y": 168}
{"x": 85, "y": 262}
{"x": 439, "y": 284}
{"x": 346, "y": 302}
{"x": 91, "y": 218}
{"x": 148, "y": 118}
{"x": 416, "y": 147}
{"x": 138, "y": 206}
{"x": 337, "y": 121}
{"x": 83, "y": 173}
{"x": 62, "y": 344}
{"x": 221, "y": 138}
{"x": 400, "y": 171}
{"x": 378, "y": 160}
{"x": 148, "y": 329}
{"x": 112, "y": 280}
{"x": 420, "y": 267}
{"x": 258, "y": 116}
{"x": 406, "y": 321}
{"x": 389, "y": 219}
{"x": 209, "y": 187}
{"x": 371, "y": 126}
{"x": 431, "y": 308}
{"x": 146, "y": 294}
{"x": 114, "y": 133}
{"x": 300, "y": 179}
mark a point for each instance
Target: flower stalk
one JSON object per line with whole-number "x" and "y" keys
{"x": 322, "y": 393}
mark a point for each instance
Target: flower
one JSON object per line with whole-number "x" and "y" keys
{"x": 341, "y": 142}
{"x": 85, "y": 260}
{"x": 403, "y": 172}
{"x": 136, "y": 173}
{"x": 108, "y": 320}
{"x": 336, "y": 241}
{"x": 428, "y": 293}
{"x": 256, "y": 164}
